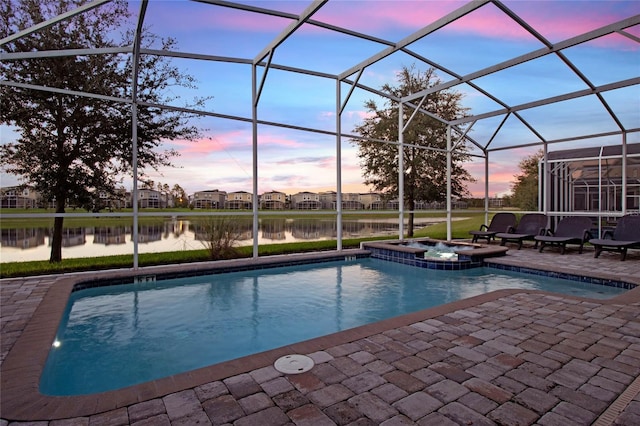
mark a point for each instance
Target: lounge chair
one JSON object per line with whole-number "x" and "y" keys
{"x": 530, "y": 225}
{"x": 499, "y": 223}
{"x": 570, "y": 230}
{"x": 625, "y": 235}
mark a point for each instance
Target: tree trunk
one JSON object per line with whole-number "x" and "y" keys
{"x": 411, "y": 205}
{"x": 56, "y": 238}
{"x": 411, "y": 215}
{"x": 411, "y": 189}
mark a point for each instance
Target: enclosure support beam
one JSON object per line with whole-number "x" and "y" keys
{"x": 134, "y": 191}
{"x": 543, "y": 171}
{"x": 600, "y": 191}
{"x": 486, "y": 186}
{"x": 343, "y": 105}
{"x": 291, "y": 28}
{"x": 339, "y": 109}
{"x": 254, "y": 174}
{"x": 400, "y": 171}
{"x": 449, "y": 192}
{"x": 624, "y": 174}
{"x": 134, "y": 127}
{"x": 53, "y": 21}
{"x": 440, "y": 23}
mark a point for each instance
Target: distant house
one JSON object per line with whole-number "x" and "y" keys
{"x": 328, "y": 200}
{"x": 496, "y": 202}
{"x": 371, "y": 201}
{"x": 351, "y": 201}
{"x": 115, "y": 201}
{"x": 150, "y": 199}
{"x": 273, "y": 200}
{"x": 240, "y": 200}
{"x": 209, "y": 199}
{"x": 305, "y": 201}
{"x": 19, "y": 197}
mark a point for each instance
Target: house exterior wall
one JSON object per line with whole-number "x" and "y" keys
{"x": 371, "y": 201}
{"x": 19, "y": 197}
{"x": 305, "y": 201}
{"x": 328, "y": 200}
{"x": 209, "y": 199}
{"x": 273, "y": 200}
{"x": 239, "y": 200}
{"x": 150, "y": 199}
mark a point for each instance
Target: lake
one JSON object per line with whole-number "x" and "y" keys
{"x": 26, "y": 244}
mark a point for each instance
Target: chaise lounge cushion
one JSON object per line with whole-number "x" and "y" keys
{"x": 570, "y": 230}
{"x": 626, "y": 235}
{"x": 499, "y": 223}
{"x": 530, "y": 225}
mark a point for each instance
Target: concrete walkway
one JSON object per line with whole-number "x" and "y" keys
{"x": 508, "y": 358}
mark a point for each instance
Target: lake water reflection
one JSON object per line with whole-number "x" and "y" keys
{"x": 19, "y": 245}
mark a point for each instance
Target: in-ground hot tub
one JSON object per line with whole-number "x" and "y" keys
{"x": 433, "y": 254}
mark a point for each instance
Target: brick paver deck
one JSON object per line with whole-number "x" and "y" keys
{"x": 507, "y": 358}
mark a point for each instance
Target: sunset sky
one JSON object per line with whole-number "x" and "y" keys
{"x": 291, "y": 160}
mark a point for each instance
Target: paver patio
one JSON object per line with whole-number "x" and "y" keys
{"x": 510, "y": 358}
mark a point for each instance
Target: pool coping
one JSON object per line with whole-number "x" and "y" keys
{"x": 21, "y": 400}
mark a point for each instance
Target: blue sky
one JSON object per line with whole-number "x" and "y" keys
{"x": 292, "y": 160}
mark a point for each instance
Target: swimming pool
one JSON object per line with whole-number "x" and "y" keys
{"x": 116, "y": 336}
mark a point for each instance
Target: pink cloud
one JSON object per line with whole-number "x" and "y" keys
{"x": 503, "y": 167}
{"x": 563, "y": 19}
{"x": 378, "y": 16}
{"x": 211, "y": 144}
{"x": 273, "y": 140}
{"x": 495, "y": 189}
{"x": 556, "y": 20}
{"x": 237, "y": 140}
{"x": 188, "y": 16}
{"x": 321, "y": 162}
{"x": 359, "y": 115}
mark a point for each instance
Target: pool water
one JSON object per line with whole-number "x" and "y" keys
{"x": 116, "y": 336}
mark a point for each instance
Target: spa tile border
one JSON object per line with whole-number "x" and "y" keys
{"x": 473, "y": 257}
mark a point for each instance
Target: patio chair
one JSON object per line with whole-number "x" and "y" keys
{"x": 530, "y": 225}
{"x": 625, "y": 235}
{"x": 499, "y": 223}
{"x": 570, "y": 230}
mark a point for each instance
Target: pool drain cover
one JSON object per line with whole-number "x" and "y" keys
{"x": 293, "y": 364}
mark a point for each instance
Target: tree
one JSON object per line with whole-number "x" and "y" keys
{"x": 180, "y": 197}
{"x": 71, "y": 147}
{"x": 425, "y": 169}
{"x": 525, "y": 187}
